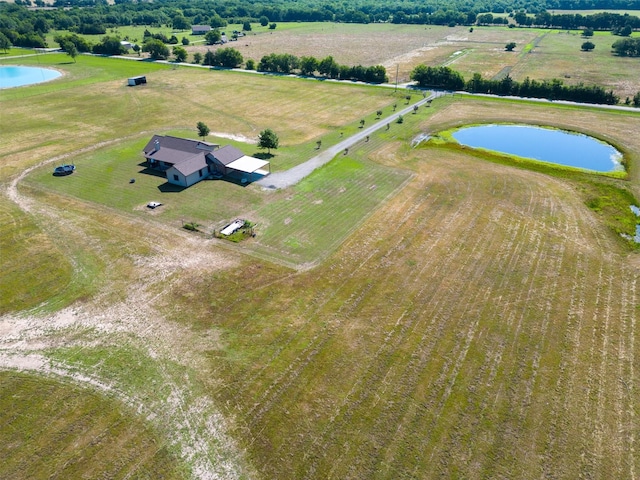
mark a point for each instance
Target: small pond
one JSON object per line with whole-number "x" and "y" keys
{"x": 13, "y": 76}
{"x": 545, "y": 144}
{"x": 636, "y": 211}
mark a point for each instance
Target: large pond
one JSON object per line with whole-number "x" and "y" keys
{"x": 12, "y": 76}
{"x": 544, "y": 144}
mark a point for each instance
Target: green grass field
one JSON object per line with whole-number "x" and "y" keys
{"x": 457, "y": 314}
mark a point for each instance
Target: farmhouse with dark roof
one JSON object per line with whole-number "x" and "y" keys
{"x": 185, "y": 162}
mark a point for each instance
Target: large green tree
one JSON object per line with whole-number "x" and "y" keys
{"x": 308, "y": 65}
{"x": 224, "y": 57}
{"x": 179, "y": 22}
{"x": 70, "y": 49}
{"x": 587, "y": 46}
{"x": 329, "y": 67}
{"x": 5, "y": 43}
{"x": 268, "y": 139}
{"x": 157, "y": 50}
{"x": 180, "y": 54}
{"x": 110, "y": 45}
{"x": 212, "y": 37}
{"x": 627, "y": 47}
{"x": 203, "y": 130}
{"x": 81, "y": 44}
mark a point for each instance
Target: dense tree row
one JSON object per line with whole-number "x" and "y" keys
{"x": 596, "y": 21}
{"x": 448, "y": 79}
{"x": 26, "y": 27}
{"x": 327, "y": 67}
{"x": 223, "y": 57}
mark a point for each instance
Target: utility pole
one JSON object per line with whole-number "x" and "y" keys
{"x": 396, "y": 78}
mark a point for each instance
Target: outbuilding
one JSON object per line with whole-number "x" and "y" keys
{"x": 200, "y": 29}
{"x": 133, "y": 81}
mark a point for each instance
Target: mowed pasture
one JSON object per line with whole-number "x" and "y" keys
{"x": 541, "y": 54}
{"x": 478, "y": 320}
{"x": 481, "y": 325}
{"x": 84, "y": 433}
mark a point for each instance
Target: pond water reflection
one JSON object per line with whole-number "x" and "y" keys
{"x": 14, "y": 76}
{"x": 544, "y": 144}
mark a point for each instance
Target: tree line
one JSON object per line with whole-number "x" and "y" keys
{"x": 27, "y": 27}
{"x": 97, "y": 16}
{"x": 327, "y": 67}
{"x": 597, "y": 21}
{"x": 448, "y": 79}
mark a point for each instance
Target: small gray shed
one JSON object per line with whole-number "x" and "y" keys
{"x": 133, "y": 81}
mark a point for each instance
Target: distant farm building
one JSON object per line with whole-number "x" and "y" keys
{"x": 186, "y": 162}
{"x": 133, "y": 81}
{"x": 200, "y": 29}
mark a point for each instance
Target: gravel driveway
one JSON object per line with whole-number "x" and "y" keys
{"x": 292, "y": 176}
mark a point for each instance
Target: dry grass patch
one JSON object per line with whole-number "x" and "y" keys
{"x": 56, "y": 429}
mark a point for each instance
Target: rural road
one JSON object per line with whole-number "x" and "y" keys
{"x": 292, "y": 176}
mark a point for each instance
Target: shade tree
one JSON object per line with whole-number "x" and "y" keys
{"x": 203, "y": 130}
{"x": 70, "y": 49}
{"x": 268, "y": 139}
{"x": 5, "y": 43}
{"x": 180, "y": 54}
{"x": 587, "y": 46}
{"x": 156, "y": 49}
{"x": 213, "y": 37}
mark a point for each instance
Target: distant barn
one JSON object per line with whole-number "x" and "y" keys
{"x": 200, "y": 29}
{"x": 133, "y": 81}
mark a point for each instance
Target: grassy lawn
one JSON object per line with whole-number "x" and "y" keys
{"x": 293, "y": 226}
{"x": 319, "y": 213}
{"x": 86, "y": 70}
{"x": 103, "y": 178}
{"x": 57, "y": 428}
{"x": 23, "y": 242}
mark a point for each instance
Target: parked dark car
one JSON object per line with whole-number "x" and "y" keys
{"x": 64, "y": 170}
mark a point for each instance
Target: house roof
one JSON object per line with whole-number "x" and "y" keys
{"x": 192, "y": 164}
{"x": 200, "y": 28}
{"x": 189, "y": 156}
{"x": 174, "y": 150}
{"x": 227, "y": 154}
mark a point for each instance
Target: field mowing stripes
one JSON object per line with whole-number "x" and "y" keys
{"x": 324, "y": 208}
{"x": 488, "y": 338}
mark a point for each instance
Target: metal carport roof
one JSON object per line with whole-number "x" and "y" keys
{"x": 247, "y": 164}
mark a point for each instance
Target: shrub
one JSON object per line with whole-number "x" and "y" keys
{"x": 191, "y": 226}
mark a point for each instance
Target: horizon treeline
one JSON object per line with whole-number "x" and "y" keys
{"x": 181, "y": 14}
{"x": 446, "y": 78}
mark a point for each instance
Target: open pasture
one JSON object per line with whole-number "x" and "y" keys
{"x": 477, "y": 322}
{"x": 473, "y": 327}
{"x": 559, "y": 52}
{"x": 292, "y": 227}
{"x": 540, "y": 53}
{"x": 228, "y": 102}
